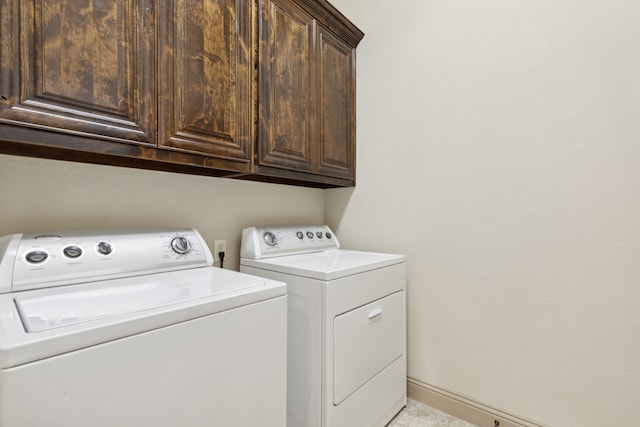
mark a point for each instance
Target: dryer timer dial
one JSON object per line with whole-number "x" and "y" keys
{"x": 270, "y": 238}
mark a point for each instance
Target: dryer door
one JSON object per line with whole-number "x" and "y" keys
{"x": 366, "y": 341}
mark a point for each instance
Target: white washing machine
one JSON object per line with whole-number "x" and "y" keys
{"x": 136, "y": 329}
{"x": 346, "y": 325}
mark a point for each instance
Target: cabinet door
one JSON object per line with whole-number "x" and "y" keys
{"x": 287, "y": 111}
{"x": 205, "y": 77}
{"x": 336, "y": 151}
{"x": 83, "y": 67}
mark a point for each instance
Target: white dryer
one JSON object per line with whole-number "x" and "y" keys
{"x": 135, "y": 328}
{"x": 346, "y": 325}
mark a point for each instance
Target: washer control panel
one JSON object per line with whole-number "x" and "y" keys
{"x": 265, "y": 242}
{"x": 40, "y": 260}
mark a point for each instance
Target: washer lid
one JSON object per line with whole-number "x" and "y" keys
{"x": 77, "y": 304}
{"x": 41, "y": 323}
{"x": 326, "y": 265}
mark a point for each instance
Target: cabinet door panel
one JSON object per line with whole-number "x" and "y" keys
{"x": 78, "y": 66}
{"x": 205, "y": 81}
{"x": 287, "y": 113}
{"x": 337, "y": 108}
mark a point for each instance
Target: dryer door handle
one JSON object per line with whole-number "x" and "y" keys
{"x": 375, "y": 314}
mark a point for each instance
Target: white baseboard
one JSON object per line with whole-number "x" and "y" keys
{"x": 462, "y": 407}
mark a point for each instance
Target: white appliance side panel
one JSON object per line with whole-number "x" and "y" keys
{"x": 226, "y": 369}
{"x": 304, "y": 375}
{"x": 8, "y": 249}
{"x": 366, "y": 340}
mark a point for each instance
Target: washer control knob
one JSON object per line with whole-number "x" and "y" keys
{"x": 104, "y": 248}
{"x": 72, "y": 251}
{"x": 300, "y": 235}
{"x": 319, "y": 234}
{"x": 270, "y": 238}
{"x": 328, "y": 235}
{"x": 36, "y": 257}
{"x": 181, "y": 245}
{"x": 310, "y": 234}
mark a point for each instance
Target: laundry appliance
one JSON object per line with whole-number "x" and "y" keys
{"x": 136, "y": 328}
{"x": 346, "y": 325}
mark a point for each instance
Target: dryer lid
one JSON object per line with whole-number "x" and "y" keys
{"x": 327, "y": 265}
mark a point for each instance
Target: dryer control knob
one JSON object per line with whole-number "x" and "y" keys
{"x": 181, "y": 245}
{"x": 270, "y": 238}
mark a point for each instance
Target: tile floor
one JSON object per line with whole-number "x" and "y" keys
{"x": 417, "y": 414}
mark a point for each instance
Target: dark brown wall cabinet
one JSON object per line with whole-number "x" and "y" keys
{"x": 182, "y": 85}
{"x": 205, "y": 77}
{"x": 307, "y": 91}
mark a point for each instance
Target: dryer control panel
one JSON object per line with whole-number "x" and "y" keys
{"x": 41, "y": 260}
{"x": 265, "y": 242}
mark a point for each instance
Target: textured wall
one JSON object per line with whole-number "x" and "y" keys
{"x": 47, "y": 195}
{"x": 498, "y": 147}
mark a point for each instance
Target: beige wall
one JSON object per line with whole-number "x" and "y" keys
{"x": 41, "y": 195}
{"x": 499, "y": 147}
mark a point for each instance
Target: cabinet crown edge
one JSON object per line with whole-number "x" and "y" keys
{"x": 333, "y": 20}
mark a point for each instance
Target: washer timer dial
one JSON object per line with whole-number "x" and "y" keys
{"x": 181, "y": 245}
